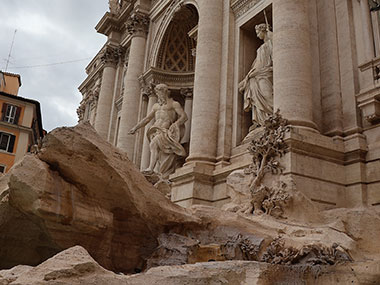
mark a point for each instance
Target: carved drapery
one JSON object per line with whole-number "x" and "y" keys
{"x": 138, "y": 24}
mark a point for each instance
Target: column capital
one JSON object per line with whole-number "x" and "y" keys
{"x": 138, "y": 24}
{"x": 112, "y": 55}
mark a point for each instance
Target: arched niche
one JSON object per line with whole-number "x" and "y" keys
{"x": 176, "y": 52}
{"x": 248, "y": 45}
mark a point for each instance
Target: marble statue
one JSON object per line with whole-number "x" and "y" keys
{"x": 165, "y": 133}
{"x": 257, "y": 86}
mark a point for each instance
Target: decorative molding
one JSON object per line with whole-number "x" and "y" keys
{"x": 175, "y": 80}
{"x": 240, "y": 7}
{"x": 138, "y": 24}
{"x": 112, "y": 55}
{"x": 369, "y": 100}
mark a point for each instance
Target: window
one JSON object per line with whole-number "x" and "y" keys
{"x": 7, "y": 142}
{"x": 2, "y": 168}
{"x": 11, "y": 113}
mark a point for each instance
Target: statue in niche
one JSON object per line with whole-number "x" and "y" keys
{"x": 165, "y": 134}
{"x": 257, "y": 86}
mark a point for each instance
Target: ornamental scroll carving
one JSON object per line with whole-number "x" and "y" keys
{"x": 138, "y": 24}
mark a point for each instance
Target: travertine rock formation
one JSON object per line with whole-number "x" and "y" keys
{"x": 75, "y": 266}
{"x": 79, "y": 190}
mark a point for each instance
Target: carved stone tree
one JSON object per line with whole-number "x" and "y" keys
{"x": 265, "y": 151}
{"x": 252, "y": 196}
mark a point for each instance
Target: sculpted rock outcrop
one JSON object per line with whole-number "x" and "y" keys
{"x": 81, "y": 190}
{"x": 75, "y": 266}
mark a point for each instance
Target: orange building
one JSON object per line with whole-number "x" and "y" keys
{"x": 20, "y": 122}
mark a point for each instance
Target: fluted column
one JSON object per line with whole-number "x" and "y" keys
{"x": 110, "y": 59}
{"x": 204, "y": 124}
{"x": 145, "y": 156}
{"x": 188, "y": 94}
{"x": 137, "y": 26}
{"x": 292, "y": 73}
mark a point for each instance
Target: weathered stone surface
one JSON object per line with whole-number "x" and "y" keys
{"x": 72, "y": 266}
{"x": 8, "y": 276}
{"x": 81, "y": 190}
{"x": 75, "y": 266}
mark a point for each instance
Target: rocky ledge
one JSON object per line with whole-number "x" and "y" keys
{"x": 80, "y": 196}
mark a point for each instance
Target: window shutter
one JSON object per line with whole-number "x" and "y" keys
{"x": 17, "y": 116}
{"x": 4, "y": 111}
{"x": 11, "y": 143}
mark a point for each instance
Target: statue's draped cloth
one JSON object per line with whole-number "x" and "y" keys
{"x": 258, "y": 85}
{"x": 170, "y": 147}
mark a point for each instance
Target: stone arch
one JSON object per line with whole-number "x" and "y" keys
{"x": 166, "y": 21}
{"x": 175, "y": 52}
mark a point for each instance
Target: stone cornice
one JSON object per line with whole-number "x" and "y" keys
{"x": 176, "y": 80}
{"x": 138, "y": 24}
{"x": 114, "y": 22}
{"x": 240, "y": 7}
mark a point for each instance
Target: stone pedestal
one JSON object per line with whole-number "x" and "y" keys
{"x": 137, "y": 26}
{"x": 292, "y": 71}
{"x": 103, "y": 112}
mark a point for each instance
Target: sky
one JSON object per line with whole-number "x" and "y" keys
{"x": 50, "y": 32}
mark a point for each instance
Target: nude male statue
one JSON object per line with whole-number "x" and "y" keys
{"x": 164, "y": 135}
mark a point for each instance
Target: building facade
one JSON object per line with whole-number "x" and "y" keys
{"x": 326, "y": 82}
{"x": 20, "y": 124}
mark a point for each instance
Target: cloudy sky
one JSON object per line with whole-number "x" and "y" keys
{"x": 51, "y": 32}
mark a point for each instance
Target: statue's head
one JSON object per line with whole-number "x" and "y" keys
{"x": 262, "y": 30}
{"x": 162, "y": 92}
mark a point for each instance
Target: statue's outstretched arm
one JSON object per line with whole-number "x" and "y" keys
{"x": 143, "y": 122}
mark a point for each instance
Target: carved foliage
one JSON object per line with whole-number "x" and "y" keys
{"x": 111, "y": 55}
{"x": 138, "y": 24}
{"x": 265, "y": 150}
{"x": 313, "y": 254}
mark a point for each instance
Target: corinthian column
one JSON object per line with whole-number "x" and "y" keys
{"x": 137, "y": 26}
{"x": 204, "y": 124}
{"x": 110, "y": 59}
{"x": 292, "y": 73}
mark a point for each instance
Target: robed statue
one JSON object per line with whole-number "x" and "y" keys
{"x": 257, "y": 86}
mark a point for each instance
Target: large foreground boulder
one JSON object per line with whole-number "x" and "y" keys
{"x": 81, "y": 190}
